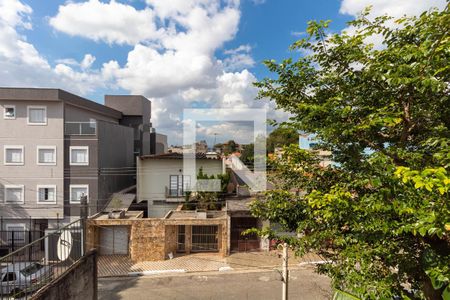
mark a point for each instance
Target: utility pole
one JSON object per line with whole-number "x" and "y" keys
{"x": 285, "y": 272}
{"x": 214, "y": 144}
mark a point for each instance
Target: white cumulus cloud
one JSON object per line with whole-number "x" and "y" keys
{"x": 395, "y": 8}
{"x": 111, "y": 22}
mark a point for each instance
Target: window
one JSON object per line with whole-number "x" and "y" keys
{"x": 79, "y": 156}
{"x": 13, "y": 155}
{"x": 37, "y": 115}
{"x": 46, "y": 194}
{"x": 46, "y": 155}
{"x": 179, "y": 184}
{"x": 14, "y": 194}
{"x": 205, "y": 238}
{"x": 77, "y": 191}
{"x": 31, "y": 269}
{"x": 9, "y": 112}
{"x": 9, "y": 277}
{"x": 15, "y": 233}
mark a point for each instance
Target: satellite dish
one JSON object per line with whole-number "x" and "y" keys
{"x": 64, "y": 246}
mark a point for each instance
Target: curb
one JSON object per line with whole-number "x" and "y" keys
{"x": 156, "y": 272}
{"x": 319, "y": 262}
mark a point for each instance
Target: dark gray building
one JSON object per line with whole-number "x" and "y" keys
{"x": 56, "y": 146}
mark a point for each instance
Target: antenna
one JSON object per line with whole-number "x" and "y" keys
{"x": 214, "y": 144}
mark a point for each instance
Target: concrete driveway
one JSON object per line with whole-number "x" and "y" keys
{"x": 304, "y": 284}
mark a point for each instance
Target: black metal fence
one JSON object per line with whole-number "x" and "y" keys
{"x": 12, "y": 240}
{"x": 26, "y": 269}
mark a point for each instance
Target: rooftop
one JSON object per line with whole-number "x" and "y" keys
{"x": 194, "y": 215}
{"x": 176, "y": 156}
{"x": 128, "y": 215}
{"x": 239, "y": 205}
{"x": 48, "y": 94}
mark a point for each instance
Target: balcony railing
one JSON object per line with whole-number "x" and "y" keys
{"x": 80, "y": 128}
{"x": 174, "y": 193}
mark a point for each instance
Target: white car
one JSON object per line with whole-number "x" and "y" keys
{"x": 18, "y": 279}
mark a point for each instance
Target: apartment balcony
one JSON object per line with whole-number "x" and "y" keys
{"x": 174, "y": 195}
{"x": 80, "y": 128}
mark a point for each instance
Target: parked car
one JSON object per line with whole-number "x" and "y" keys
{"x": 17, "y": 279}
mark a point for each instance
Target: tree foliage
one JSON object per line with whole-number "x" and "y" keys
{"x": 381, "y": 213}
{"x": 248, "y": 154}
{"x": 207, "y": 200}
{"x": 281, "y": 136}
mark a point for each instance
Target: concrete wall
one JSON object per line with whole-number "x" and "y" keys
{"x": 136, "y": 113}
{"x": 161, "y": 143}
{"x": 30, "y": 174}
{"x": 111, "y": 147}
{"x": 130, "y": 105}
{"x": 80, "y": 114}
{"x": 115, "y": 160}
{"x": 78, "y": 282}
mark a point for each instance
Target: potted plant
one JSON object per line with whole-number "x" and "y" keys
{"x": 117, "y": 211}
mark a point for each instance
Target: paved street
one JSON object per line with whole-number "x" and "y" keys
{"x": 304, "y": 284}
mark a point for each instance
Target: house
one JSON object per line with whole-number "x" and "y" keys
{"x": 160, "y": 179}
{"x": 56, "y": 146}
{"x": 152, "y": 239}
{"x": 310, "y": 143}
{"x": 198, "y": 147}
{"x": 170, "y": 228}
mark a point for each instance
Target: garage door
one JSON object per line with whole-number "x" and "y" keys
{"x": 114, "y": 240}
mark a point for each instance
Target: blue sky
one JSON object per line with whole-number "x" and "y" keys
{"x": 178, "y": 53}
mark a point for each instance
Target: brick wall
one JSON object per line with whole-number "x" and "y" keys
{"x": 147, "y": 240}
{"x": 171, "y": 239}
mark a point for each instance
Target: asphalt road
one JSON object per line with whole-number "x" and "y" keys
{"x": 304, "y": 284}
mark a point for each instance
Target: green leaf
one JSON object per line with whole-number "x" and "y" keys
{"x": 446, "y": 293}
{"x": 341, "y": 295}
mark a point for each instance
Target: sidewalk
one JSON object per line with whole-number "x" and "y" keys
{"x": 272, "y": 259}
{"x": 115, "y": 265}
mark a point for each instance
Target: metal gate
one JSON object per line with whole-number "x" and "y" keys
{"x": 205, "y": 238}
{"x": 241, "y": 242}
{"x": 181, "y": 244}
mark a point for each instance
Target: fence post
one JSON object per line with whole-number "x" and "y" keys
{"x": 83, "y": 216}
{"x": 13, "y": 238}
{"x": 30, "y": 240}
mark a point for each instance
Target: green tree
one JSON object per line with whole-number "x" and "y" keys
{"x": 247, "y": 154}
{"x": 381, "y": 214}
{"x": 207, "y": 200}
{"x": 232, "y": 146}
{"x": 281, "y": 136}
